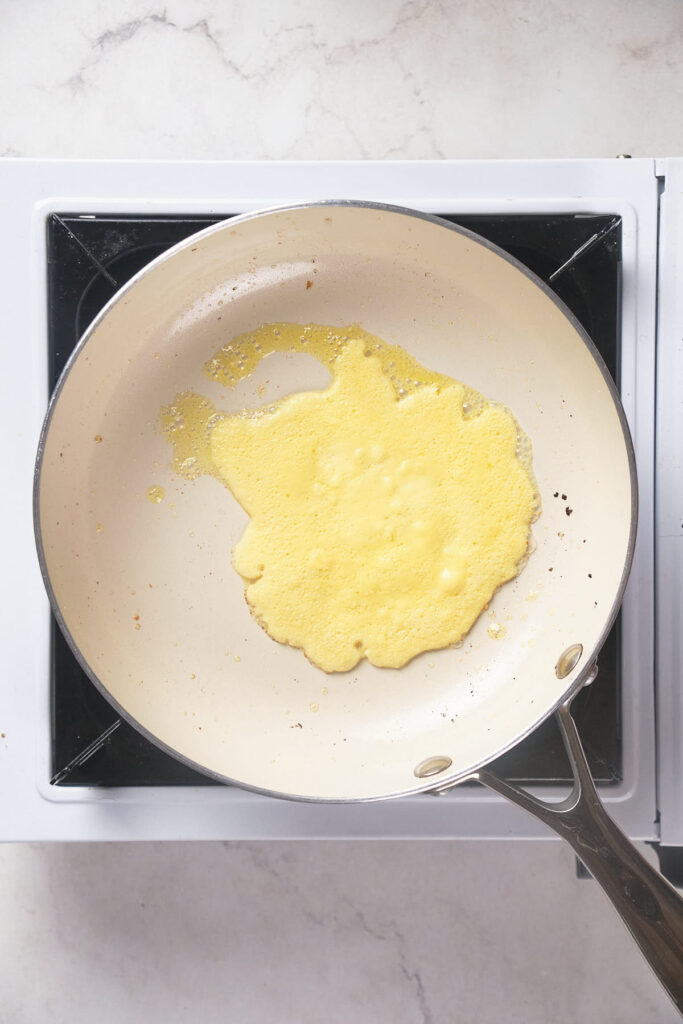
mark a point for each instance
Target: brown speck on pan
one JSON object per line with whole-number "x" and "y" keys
{"x": 550, "y": 569}
{"x": 564, "y": 497}
{"x": 136, "y": 618}
{"x": 98, "y": 439}
{"x": 2, "y": 736}
{"x": 556, "y": 494}
{"x": 194, "y": 250}
{"x": 590, "y": 575}
{"x": 309, "y": 284}
{"x": 297, "y": 725}
{"x": 568, "y": 510}
{"x": 328, "y": 220}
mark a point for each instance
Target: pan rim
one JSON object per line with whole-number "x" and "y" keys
{"x": 444, "y": 781}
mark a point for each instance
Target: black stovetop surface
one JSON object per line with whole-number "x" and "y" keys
{"x": 90, "y": 257}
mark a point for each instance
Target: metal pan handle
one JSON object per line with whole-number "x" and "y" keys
{"x": 650, "y": 908}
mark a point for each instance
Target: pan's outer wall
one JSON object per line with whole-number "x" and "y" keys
{"x": 146, "y": 591}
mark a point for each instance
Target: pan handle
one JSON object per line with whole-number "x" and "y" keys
{"x": 650, "y": 908}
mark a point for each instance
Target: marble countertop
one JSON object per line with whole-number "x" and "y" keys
{"x": 319, "y": 933}
{"x": 319, "y": 79}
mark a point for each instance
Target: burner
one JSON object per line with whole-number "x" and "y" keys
{"x": 91, "y": 257}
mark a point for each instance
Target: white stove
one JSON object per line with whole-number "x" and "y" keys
{"x": 647, "y": 196}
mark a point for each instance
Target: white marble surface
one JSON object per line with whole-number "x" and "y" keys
{"x": 340, "y": 78}
{"x": 326, "y": 932}
{"x": 313, "y": 933}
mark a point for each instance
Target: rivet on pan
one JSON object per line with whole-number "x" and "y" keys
{"x": 432, "y": 766}
{"x": 568, "y": 660}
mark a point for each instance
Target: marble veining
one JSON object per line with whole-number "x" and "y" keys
{"x": 318, "y": 79}
{"x": 112, "y": 38}
{"x": 406, "y": 932}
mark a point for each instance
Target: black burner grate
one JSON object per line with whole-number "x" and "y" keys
{"x": 90, "y": 257}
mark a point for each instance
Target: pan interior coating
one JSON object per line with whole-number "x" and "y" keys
{"x": 385, "y": 510}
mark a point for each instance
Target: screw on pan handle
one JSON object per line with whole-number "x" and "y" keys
{"x": 650, "y": 908}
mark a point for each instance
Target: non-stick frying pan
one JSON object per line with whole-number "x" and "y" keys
{"x": 148, "y": 599}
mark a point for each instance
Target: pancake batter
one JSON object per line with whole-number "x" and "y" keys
{"x": 385, "y": 511}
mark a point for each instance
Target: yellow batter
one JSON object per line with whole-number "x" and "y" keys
{"x": 383, "y": 515}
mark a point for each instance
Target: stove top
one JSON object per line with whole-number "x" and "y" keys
{"x": 90, "y": 257}
{"x": 606, "y": 233}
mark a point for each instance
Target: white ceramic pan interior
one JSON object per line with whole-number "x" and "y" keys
{"x": 199, "y": 676}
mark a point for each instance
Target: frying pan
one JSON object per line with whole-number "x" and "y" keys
{"x": 153, "y": 610}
